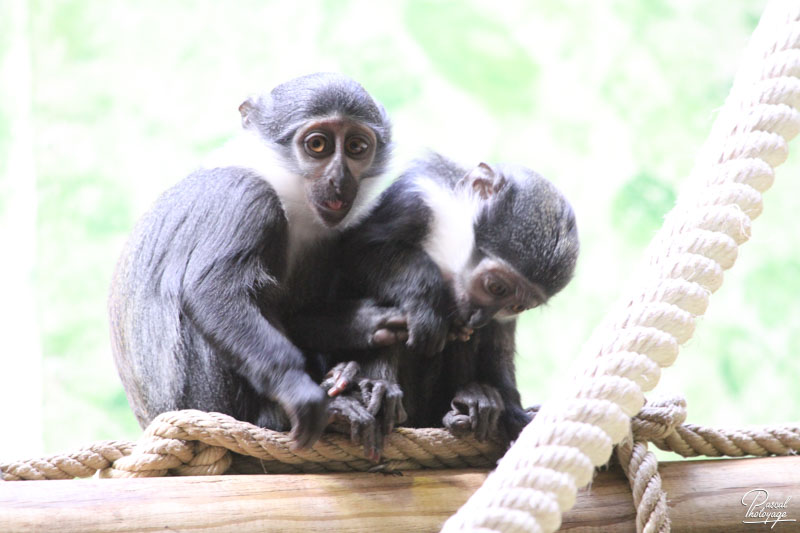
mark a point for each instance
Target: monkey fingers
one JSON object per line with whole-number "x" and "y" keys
{"x": 340, "y": 377}
{"x": 476, "y": 407}
{"x": 391, "y": 330}
{"x": 460, "y": 331}
{"x": 384, "y": 400}
{"x": 349, "y": 416}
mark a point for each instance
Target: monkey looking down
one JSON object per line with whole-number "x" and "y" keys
{"x": 199, "y": 296}
{"x": 461, "y": 253}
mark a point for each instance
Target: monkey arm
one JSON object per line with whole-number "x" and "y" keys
{"x": 383, "y": 258}
{"x": 230, "y": 292}
{"x": 231, "y": 322}
{"x": 401, "y": 275}
{"x": 347, "y": 326}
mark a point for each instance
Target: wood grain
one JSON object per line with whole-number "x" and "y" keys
{"x": 703, "y": 496}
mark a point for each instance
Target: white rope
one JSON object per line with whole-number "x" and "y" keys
{"x": 538, "y": 478}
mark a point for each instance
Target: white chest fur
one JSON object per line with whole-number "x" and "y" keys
{"x": 248, "y": 151}
{"x": 451, "y": 239}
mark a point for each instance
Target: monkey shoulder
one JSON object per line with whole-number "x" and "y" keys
{"x": 437, "y": 168}
{"x": 211, "y": 217}
{"x": 232, "y": 201}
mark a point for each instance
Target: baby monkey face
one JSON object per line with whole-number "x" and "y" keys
{"x": 494, "y": 289}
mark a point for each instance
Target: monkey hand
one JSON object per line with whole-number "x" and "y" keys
{"x": 385, "y": 325}
{"x": 427, "y": 332}
{"x": 460, "y": 331}
{"x": 475, "y": 408}
{"x": 381, "y": 399}
{"x": 348, "y": 415}
{"x": 384, "y": 400}
{"x": 306, "y": 405}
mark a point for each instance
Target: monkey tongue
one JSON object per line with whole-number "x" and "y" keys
{"x": 334, "y": 205}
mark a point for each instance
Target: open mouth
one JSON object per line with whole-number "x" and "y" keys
{"x": 335, "y": 205}
{"x": 333, "y": 211}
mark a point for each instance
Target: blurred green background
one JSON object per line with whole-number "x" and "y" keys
{"x": 104, "y": 104}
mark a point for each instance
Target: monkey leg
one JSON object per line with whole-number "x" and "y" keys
{"x": 353, "y": 325}
{"x": 475, "y": 408}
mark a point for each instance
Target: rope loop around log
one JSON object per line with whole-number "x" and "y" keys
{"x": 198, "y": 443}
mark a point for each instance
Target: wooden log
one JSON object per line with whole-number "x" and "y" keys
{"x": 704, "y": 496}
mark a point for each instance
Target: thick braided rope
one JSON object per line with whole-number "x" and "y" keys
{"x": 641, "y": 468}
{"x": 555, "y": 454}
{"x": 661, "y": 422}
{"x": 655, "y": 420}
{"x": 198, "y": 443}
{"x": 81, "y": 463}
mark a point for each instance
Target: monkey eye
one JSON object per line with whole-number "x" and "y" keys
{"x": 356, "y": 145}
{"x": 496, "y": 288}
{"x": 317, "y": 144}
{"x": 517, "y": 308}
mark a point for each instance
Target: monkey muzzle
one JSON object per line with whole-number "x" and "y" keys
{"x": 336, "y": 198}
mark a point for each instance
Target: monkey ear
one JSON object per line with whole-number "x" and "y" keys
{"x": 246, "y": 109}
{"x": 483, "y": 181}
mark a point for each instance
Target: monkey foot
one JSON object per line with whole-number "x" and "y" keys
{"x": 476, "y": 408}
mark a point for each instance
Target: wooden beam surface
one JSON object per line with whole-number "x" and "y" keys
{"x": 703, "y": 496}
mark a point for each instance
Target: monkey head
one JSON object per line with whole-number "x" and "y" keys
{"x": 526, "y": 244}
{"x": 329, "y": 131}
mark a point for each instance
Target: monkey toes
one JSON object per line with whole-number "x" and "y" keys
{"x": 475, "y": 408}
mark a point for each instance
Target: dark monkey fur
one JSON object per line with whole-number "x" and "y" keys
{"x": 458, "y": 251}
{"x": 202, "y": 288}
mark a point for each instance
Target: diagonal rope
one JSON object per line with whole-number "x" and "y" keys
{"x": 684, "y": 264}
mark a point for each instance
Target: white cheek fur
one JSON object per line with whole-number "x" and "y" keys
{"x": 305, "y": 227}
{"x": 451, "y": 239}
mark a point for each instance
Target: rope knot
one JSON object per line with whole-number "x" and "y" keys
{"x": 659, "y": 418}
